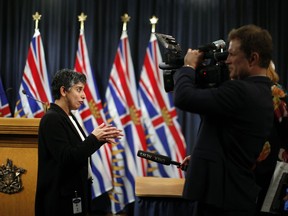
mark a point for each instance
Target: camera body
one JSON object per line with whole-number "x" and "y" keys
{"x": 211, "y": 73}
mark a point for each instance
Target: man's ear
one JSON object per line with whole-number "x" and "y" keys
{"x": 254, "y": 59}
{"x": 62, "y": 91}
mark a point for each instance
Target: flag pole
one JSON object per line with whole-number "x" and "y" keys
{"x": 35, "y": 79}
{"x": 36, "y": 17}
{"x": 153, "y": 22}
{"x": 125, "y": 19}
{"x": 82, "y": 18}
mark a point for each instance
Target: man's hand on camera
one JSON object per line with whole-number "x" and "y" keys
{"x": 193, "y": 58}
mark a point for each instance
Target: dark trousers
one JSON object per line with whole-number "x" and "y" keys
{"x": 203, "y": 209}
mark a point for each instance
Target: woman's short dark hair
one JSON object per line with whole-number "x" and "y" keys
{"x": 66, "y": 78}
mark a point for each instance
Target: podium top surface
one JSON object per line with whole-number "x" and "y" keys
{"x": 19, "y": 126}
{"x": 159, "y": 187}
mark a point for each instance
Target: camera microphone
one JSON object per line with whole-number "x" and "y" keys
{"x": 215, "y": 45}
{"x": 159, "y": 158}
{"x": 29, "y": 96}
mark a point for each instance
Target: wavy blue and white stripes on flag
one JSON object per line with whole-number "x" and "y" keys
{"x": 124, "y": 111}
{"x": 91, "y": 115}
{"x": 4, "y": 105}
{"x": 35, "y": 83}
{"x": 159, "y": 115}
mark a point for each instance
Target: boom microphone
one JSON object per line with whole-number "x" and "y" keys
{"x": 29, "y": 96}
{"x": 45, "y": 105}
{"x": 158, "y": 158}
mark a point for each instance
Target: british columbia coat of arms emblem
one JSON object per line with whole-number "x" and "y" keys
{"x": 10, "y": 178}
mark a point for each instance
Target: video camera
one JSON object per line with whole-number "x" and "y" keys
{"x": 211, "y": 73}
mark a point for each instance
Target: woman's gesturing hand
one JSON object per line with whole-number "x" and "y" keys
{"x": 107, "y": 133}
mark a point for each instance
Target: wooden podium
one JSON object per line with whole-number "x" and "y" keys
{"x": 160, "y": 196}
{"x": 158, "y": 187}
{"x": 18, "y": 143}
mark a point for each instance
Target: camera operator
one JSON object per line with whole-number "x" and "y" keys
{"x": 236, "y": 120}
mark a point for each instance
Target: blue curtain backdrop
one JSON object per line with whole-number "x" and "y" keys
{"x": 191, "y": 22}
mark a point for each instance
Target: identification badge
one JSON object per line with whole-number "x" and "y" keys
{"x": 77, "y": 205}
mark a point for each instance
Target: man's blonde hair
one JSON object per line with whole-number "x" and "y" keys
{"x": 271, "y": 73}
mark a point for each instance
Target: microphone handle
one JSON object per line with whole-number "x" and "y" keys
{"x": 184, "y": 168}
{"x": 175, "y": 163}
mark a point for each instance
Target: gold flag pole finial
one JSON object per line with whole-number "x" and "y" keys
{"x": 36, "y": 17}
{"x": 82, "y": 18}
{"x": 153, "y": 22}
{"x": 125, "y": 19}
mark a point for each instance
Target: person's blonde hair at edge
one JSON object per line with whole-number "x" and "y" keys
{"x": 271, "y": 73}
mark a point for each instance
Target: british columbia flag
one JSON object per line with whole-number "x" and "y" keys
{"x": 4, "y": 105}
{"x": 34, "y": 93}
{"x": 159, "y": 115}
{"x": 91, "y": 115}
{"x": 124, "y": 112}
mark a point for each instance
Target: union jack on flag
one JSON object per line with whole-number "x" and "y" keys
{"x": 91, "y": 115}
{"x": 4, "y": 105}
{"x": 34, "y": 93}
{"x": 159, "y": 115}
{"x": 124, "y": 111}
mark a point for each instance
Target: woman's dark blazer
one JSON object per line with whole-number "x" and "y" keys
{"x": 62, "y": 164}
